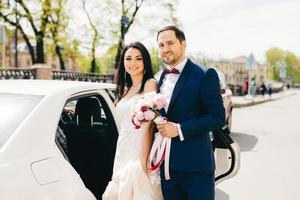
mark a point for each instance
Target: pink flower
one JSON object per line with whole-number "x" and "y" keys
{"x": 149, "y": 115}
{"x": 140, "y": 116}
{"x": 137, "y": 124}
{"x": 144, "y": 108}
{"x": 160, "y": 104}
{"x": 147, "y": 109}
{"x": 146, "y": 102}
{"x": 149, "y": 103}
{"x": 159, "y": 101}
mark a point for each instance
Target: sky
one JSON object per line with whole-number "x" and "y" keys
{"x": 231, "y": 28}
{"x": 225, "y": 29}
{"x": 221, "y": 29}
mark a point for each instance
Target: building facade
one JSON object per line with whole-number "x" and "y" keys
{"x": 236, "y": 73}
{"x": 7, "y": 58}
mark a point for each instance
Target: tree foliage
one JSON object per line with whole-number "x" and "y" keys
{"x": 275, "y": 56}
{"x": 129, "y": 11}
{"x": 97, "y": 36}
{"x": 57, "y": 28}
{"x": 35, "y": 17}
{"x": 129, "y": 16}
{"x": 157, "y": 63}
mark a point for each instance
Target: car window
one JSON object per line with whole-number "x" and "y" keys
{"x": 71, "y": 105}
{"x": 69, "y": 117}
{"x": 13, "y": 109}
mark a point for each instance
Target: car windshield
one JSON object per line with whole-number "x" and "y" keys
{"x": 13, "y": 110}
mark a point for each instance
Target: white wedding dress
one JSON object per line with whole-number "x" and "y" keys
{"x": 129, "y": 182}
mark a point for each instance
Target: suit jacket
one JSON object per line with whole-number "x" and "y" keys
{"x": 197, "y": 105}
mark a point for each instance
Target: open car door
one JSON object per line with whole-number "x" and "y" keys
{"x": 227, "y": 156}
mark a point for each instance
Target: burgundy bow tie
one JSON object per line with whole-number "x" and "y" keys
{"x": 172, "y": 71}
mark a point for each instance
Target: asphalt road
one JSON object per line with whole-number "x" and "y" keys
{"x": 269, "y": 137}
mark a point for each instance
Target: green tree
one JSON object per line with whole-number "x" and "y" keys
{"x": 293, "y": 66}
{"x": 57, "y": 28}
{"x": 165, "y": 13}
{"x": 107, "y": 60}
{"x": 128, "y": 13}
{"x": 96, "y": 27}
{"x": 84, "y": 63}
{"x": 71, "y": 51}
{"x": 38, "y": 20}
{"x": 274, "y": 56}
{"x": 157, "y": 63}
{"x": 171, "y": 17}
{"x": 95, "y": 38}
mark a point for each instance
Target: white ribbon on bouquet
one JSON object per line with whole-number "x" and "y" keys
{"x": 160, "y": 151}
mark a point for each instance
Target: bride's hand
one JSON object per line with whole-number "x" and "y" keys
{"x": 145, "y": 165}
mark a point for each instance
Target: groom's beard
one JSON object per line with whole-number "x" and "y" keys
{"x": 169, "y": 60}
{"x": 172, "y": 59}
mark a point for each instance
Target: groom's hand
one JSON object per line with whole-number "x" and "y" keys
{"x": 168, "y": 129}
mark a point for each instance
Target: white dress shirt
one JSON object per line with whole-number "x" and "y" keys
{"x": 168, "y": 85}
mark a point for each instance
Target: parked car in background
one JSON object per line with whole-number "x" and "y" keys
{"x": 47, "y": 152}
{"x": 226, "y": 94}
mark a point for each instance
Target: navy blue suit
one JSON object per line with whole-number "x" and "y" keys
{"x": 197, "y": 105}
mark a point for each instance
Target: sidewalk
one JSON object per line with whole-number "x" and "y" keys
{"x": 242, "y": 101}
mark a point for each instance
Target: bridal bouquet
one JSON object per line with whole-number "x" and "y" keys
{"x": 147, "y": 109}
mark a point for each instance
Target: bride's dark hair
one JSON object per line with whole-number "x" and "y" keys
{"x": 124, "y": 79}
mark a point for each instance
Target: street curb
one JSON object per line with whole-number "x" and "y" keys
{"x": 251, "y": 103}
{"x": 240, "y": 105}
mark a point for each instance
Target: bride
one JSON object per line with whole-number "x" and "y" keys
{"x": 130, "y": 179}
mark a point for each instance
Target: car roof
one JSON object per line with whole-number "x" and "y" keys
{"x": 46, "y": 87}
{"x": 221, "y": 77}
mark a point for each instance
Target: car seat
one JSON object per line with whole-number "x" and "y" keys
{"x": 89, "y": 147}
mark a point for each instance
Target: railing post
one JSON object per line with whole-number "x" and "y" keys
{"x": 43, "y": 71}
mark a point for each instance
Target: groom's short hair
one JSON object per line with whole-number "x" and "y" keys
{"x": 179, "y": 33}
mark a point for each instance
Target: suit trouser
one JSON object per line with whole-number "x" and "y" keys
{"x": 188, "y": 185}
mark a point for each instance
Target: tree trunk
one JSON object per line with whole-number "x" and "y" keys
{"x": 120, "y": 46}
{"x": 93, "y": 65}
{"x": 40, "y": 48}
{"x": 30, "y": 47}
{"x": 118, "y": 56}
{"x": 93, "y": 62}
{"x": 32, "y": 54}
{"x": 59, "y": 55}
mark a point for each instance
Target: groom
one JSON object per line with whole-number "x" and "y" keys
{"x": 195, "y": 107}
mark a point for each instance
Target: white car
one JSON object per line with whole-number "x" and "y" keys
{"x": 227, "y": 102}
{"x": 46, "y": 153}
